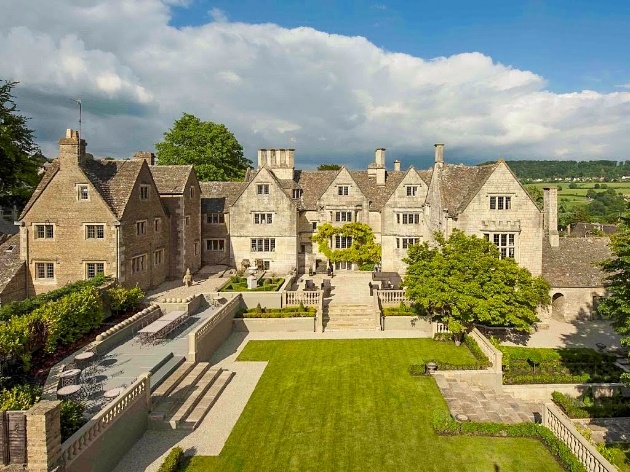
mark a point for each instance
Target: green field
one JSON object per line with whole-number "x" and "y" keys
{"x": 351, "y": 405}
{"x": 577, "y": 196}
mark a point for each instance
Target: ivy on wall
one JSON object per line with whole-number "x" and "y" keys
{"x": 362, "y": 250}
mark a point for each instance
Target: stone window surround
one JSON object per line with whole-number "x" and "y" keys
{"x": 187, "y": 220}
{"x": 262, "y": 244}
{"x": 196, "y": 248}
{"x": 500, "y": 202}
{"x": 192, "y": 191}
{"x": 141, "y": 227}
{"x": 144, "y": 191}
{"x": 215, "y": 244}
{"x": 507, "y": 242}
{"x": 405, "y": 242}
{"x": 138, "y": 263}
{"x": 314, "y": 225}
{"x": 343, "y": 190}
{"x": 265, "y": 218}
{"x": 94, "y": 226}
{"x": 83, "y": 190}
{"x": 94, "y": 268}
{"x": 411, "y": 190}
{"x": 158, "y": 257}
{"x": 215, "y": 218}
{"x": 342, "y": 242}
{"x": 262, "y": 189}
{"x": 46, "y": 226}
{"x": 343, "y": 216}
{"x": 46, "y": 268}
{"x": 408, "y": 218}
{"x": 157, "y": 224}
{"x": 297, "y": 193}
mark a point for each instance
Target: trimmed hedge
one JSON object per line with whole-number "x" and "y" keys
{"x": 171, "y": 462}
{"x": 476, "y": 351}
{"x": 601, "y": 408}
{"x": 239, "y": 284}
{"x": 299, "y": 311}
{"x": 444, "y": 424}
{"x": 565, "y": 365}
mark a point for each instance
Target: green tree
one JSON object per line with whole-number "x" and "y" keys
{"x": 328, "y": 167}
{"x": 19, "y": 155}
{"x": 362, "y": 250}
{"x": 536, "y": 194}
{"x": 211, "y": 148}
{"x": 463, "y": 279}
{"x": 616, "y": 306}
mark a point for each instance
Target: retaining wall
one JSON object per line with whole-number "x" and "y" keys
{"x": 391, "y": 323}
{"x": 207, "y": 337}
{"x": 542, "y": 392}
{"x": 274, "y": 324}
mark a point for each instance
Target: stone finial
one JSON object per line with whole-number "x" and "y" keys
{"x": 188, "y": 278}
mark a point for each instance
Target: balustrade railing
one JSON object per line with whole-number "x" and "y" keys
{"x": 79, "y": 441}
{"x": 306, "y": 298}
{"x": 195, "y": 337}
{"x": 392, "y": 297}
{"x": 563, "y": 429}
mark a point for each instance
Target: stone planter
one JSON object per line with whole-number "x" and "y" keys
{"x": 430, "y": 367}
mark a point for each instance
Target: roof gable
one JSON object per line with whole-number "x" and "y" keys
{"x": 263, "y": 175}
{"x": 218, "y": 197}
{"x": 50, "y": 173}
{"x": 171, "y": 179}
{"x": 460, "y": 184}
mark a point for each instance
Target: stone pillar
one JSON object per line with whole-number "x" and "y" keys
{"x": 550, "y": 222}
{"x": 43, "y": 432}
{"x": 439, "y": 153}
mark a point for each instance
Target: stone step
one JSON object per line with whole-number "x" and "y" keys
{"x": 207, "y": 401}
{"x": 171, "y": 382}
{"x": 195, "y": 394}
{"x": 177, "y": 395}
{"x": 165, "y": 371}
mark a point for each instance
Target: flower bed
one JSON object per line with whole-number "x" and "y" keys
{"x": 300, "y": 311}
{"x": 565, "y": 365}
{"x": 265, "y": 284}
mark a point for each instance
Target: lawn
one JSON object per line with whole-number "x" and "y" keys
{"x": 351, "y": 405}
{"x": 577, "y": 196}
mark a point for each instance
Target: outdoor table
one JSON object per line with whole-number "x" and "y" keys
{"x": 114, "y": 392}
{"x": 84, "y": 358}
{"x": 150, "y": 332}
{"x": 68, "y": 391}
{"x": 172, "y": 316}
{"x": 70, "y": 377}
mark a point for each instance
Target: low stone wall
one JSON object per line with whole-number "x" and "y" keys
{"x": 207, "y": 337}
{"x": 542, "y": 392}
{"x": 391, "y": 323}
{"x": 266, "y": 299}
{"x": 100, "y": 444}
{"x": 483, "y": 378}
{"x": 274, "y": 324}
{"x": 125, "y": 329}
{"x": 190, "y": 304}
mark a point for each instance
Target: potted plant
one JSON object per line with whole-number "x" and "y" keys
{"x": 457, "y": 329}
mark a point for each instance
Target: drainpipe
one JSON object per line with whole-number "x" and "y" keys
{"x": 117, "y": 226}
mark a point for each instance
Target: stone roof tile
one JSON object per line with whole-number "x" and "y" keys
{"x": 217, "y": 197}
{"x": 171, "y": 179}
{"x": 10, "y": 261}
{"x": 574, "y": 262}
{"x": 461, "y": 183}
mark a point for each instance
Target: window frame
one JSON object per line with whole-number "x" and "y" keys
{"x": 505, "y": 243}
{"x": 265, "y": 218}
{"x": 45, "y": 228}
{"x": 80, "y": 194}
{"x": 343, "y": 190}
{"x": 95, "y": 227}
{"x": 210, "y": 245}
{"x": 342, "y": 242}
{"x": 96, "y": 271}
{"x": 500, "y": 202}
{"x": 262, "y": 245}
{"x": 138, "y": 264}
{"x": 219, "y": 217}
{"x": 343, "y": 216}
{"x": 411, "y": 190}
{"x": 141, "y": 227}
{"x": 262, "y": 189}
{"x": 158, "y": 257}
{"x": 47, "y": 267}
{"x": 144, "y": 191}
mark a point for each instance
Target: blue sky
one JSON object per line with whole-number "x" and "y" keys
{"x": 333, "y": 79}
{"x": 575, "y": 45}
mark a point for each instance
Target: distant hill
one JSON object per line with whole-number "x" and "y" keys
{"x": 549, "y": 170}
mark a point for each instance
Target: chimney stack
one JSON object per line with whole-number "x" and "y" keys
{"x": 380, "y": 158}
{"x": 396, "y": 165}
{"x": 71, "y": 150}
{"x": 550, "y": 218}
{"x": 439, "y": 153}
{"x": 262, "y": 158}
{"x": 147, "y": 156}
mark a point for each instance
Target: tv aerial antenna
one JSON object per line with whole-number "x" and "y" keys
{"x": 80, "y": 116}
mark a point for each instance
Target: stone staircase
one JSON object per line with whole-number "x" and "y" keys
{"x": 183, "y": 399}
{"x": 353, "y": 317}
{"x": 482, "y": 404}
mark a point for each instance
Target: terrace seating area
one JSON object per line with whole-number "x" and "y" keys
{"x": 162, "y": 327}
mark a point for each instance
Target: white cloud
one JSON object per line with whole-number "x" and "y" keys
{"x": 218, "y": 15}
{"x": 273, "y": 86}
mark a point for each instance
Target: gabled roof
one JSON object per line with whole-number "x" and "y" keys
{"x": 114, "y": 180}
{"x": 171, "y": 179}
{"x": 377, "y": 194}
{"x": 314, "y": 183}
{"x": 461, "y": 183}
{"x": 51, "y": 171}
{"x": 574, "y": 262}
{"x": 217, "y": 197}
{"x": 10, "y": 261}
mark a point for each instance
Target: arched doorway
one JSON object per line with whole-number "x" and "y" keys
{"x": 557, "y": 306}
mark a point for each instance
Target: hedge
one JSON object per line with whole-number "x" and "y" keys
{"x": 122, "y": 299}
{"x": 239, "y": 284}
{"x": 444, "y": 424}
{"x": 576, "y": 408}
{"x": 171, "y": 462}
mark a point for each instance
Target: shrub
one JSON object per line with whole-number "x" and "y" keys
{"x": 442, "y": 337}
{"x": 123, "y": 299}
{"x": 71, "y": 417}
{"x": 171, "y": 462}
{"x": 444, "y": 424}
{"x": 476, "y": 351}
{"x": 20, "y": 397}
{"x": 582, "y": 408}
{"x": 367, "y": 267}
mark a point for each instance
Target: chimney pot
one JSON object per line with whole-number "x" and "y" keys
{"x": 396, "y": 165}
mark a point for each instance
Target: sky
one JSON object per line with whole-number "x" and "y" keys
{"x": 332, "y": 79}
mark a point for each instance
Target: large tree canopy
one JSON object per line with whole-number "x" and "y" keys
{"x": 463, "y": 279}
{"x": 210, "y": 147}
{"x": 617, "y": 305}
{"x": 362, "y": 249}
{"x": 19, "y": 156}
{"x": 328, "y": 167}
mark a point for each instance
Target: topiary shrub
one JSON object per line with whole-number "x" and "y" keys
{"x": 171, "y": 462}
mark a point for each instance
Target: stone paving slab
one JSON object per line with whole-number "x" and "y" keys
{"x": 608, "y": 430}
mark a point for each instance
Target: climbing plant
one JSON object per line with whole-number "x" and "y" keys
{"x": 362, "y": 250}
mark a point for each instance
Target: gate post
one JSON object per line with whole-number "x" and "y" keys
{"x": 43, "y": 432}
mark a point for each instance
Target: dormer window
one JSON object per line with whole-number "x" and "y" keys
{"x": 262, "y": 189}
{"x": 144, "y": 192}
{"x": 343, "y": 190}
{"x": 82, "y": 192}
{"x": 412, "y": 190}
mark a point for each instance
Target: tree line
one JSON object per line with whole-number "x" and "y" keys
{"x": 549, "y": 170}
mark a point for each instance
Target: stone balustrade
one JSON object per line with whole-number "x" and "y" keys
{"x": 392, "y": 297}
{"x": 206, "y": 337}
{"x": 563, "y": 429}
{"x": 74, "y": 446}
{"x": 305, "y": 298}
{"x": 440, "y": 328}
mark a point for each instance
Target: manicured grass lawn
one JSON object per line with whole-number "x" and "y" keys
{"x": 351, "y": 405}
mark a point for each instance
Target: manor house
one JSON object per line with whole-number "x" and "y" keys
{"x": 144, "y": 224}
